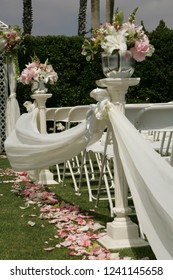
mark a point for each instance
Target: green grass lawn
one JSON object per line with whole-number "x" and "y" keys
{"x": 20, "y": 241}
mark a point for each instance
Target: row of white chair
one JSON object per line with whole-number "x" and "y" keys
{"x": 89, "y": 163}
{"x": 150, "y": 118}
{"x": 155, "y": 123}
{"x": 157, "y": 119}
{"x": 62, "y": 118}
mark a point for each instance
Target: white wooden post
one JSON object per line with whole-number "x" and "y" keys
{"x": 122, "y": 232}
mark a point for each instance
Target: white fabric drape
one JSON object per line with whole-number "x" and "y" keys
{"x": 12, "y": 107}
{"x": 27, "y": 149}
{"x": 149, "y": 177}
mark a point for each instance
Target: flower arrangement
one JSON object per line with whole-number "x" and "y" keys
{"x": 119, "y": 36}
{"x": 37, "y": 71}
{"x": 10, "y": 40}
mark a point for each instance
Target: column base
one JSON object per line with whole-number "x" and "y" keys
{"x": 122, "y": 233}
{"x": 46, "y": 177}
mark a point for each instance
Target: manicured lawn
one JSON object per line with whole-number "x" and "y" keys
{"x": 20, "y": 240}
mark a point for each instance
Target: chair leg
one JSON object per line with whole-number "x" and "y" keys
{"x": 84, "y": 167}
{"x": 58, "y": 173}
{"x": 168, "y": 144}
{"x": 100, "y": 180}
{"x": 162, "y": 143}
{"x": 63, "y": 175}
{"x": 72, "y": 174}
{"x": 67, "y": 163}
{"x": 103, "y": 175}
{"x": 91, "y": 166}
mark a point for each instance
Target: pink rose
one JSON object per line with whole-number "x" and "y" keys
{"x": 140, "y": 49}
{"x": 34, "y": 64}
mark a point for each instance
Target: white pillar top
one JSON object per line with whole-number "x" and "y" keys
{"x": 118, "y": 82}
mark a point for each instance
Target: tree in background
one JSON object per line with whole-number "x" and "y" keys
{"x": 82, "y": 17}
{"x": 95, "y": 14}
{"x": 109, "y": 10}
{"x": 27, "y": 17}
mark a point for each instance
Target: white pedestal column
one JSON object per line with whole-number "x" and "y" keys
{"x": 122, "y": 232}
{"x": 45, "y": 177}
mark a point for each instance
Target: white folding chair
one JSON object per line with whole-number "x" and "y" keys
{"x": 131, "y": 110}
{"x": 157, "y": 118}
{"x": 145, "y": 118}
{"x": 60, "y": 117}
{"x": 97, "y": 163}
{"x": 76, "y": 115}
{"x": 50, "y": 118}
{"x": 104, "y": 151}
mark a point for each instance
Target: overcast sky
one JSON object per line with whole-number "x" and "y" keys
{"x": 60, "y": 17}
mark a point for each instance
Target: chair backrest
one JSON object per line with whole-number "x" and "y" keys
{"x": 78, "y": 114}
{"x": 155, "y": 117}
{"x": 50, "y": 119}
{"x": 131, "y": 110}
{"x": 50, "y": 114}
{"x": 61, "y": 115}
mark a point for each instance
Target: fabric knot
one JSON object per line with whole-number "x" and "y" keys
{"x": 102, "y": 108}
{"x": 12, "y": 95}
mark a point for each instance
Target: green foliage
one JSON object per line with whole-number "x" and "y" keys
{"x": 156, "y": 72}
{"x": 77, "y": 77}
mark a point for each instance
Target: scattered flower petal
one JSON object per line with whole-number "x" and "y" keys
{"x": 30, "y": 223}
{"x": 49, "y": 249}
{"x": 23, "y": 207}
{"x": 85, "y": 228}
{"x": 97, "y": 226}
{"x": 75, "y": 230}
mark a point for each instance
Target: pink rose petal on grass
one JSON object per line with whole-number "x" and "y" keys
{"x": 76, "y": 229}
{"x": 78, "y": 194}
{"x": 84, "y": 240}
{"x": 49, "y": 248}
{"x": 66, "y": 243}
{"x": 30, "y": 223}
{"x": 81, "y": 221}
{"x": 97, "y": 226}
{"x": 84, "y": 228}
{"x": 32, "y": 215}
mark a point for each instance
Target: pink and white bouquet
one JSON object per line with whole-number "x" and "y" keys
{"x": 119, "y": 36}
{"x": 36, "y": 71}
{"x": 10, "y": 39}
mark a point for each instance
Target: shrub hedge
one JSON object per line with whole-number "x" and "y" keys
{"x": 77, "y": 77}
